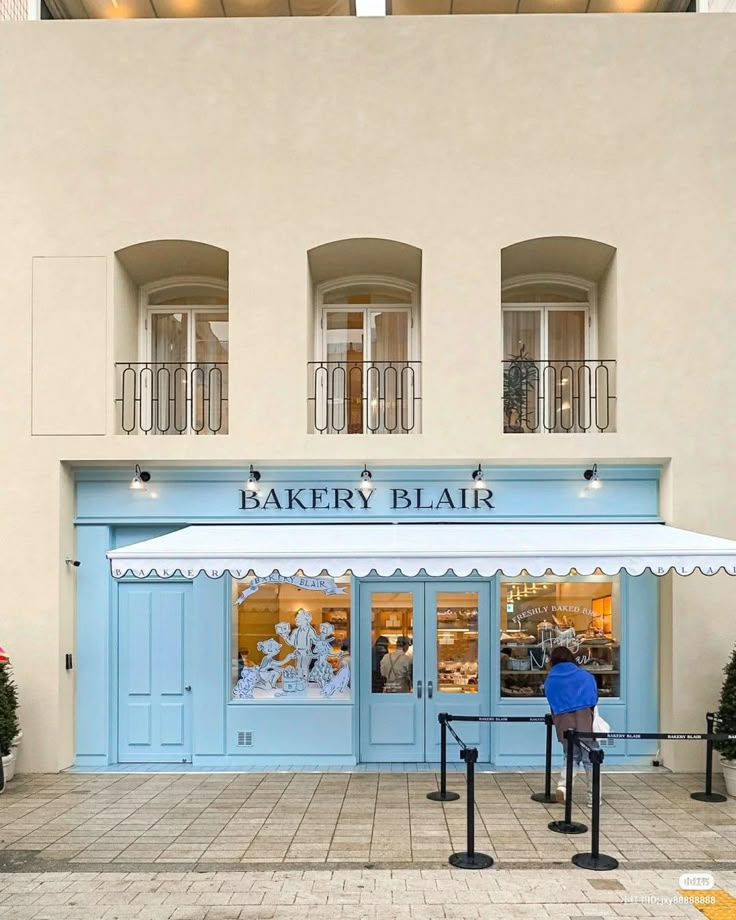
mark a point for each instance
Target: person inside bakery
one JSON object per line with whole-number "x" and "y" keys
{"x": 380, "y": 649}
{"x": 572, "y": 694}
{"x": 396, "y": 668}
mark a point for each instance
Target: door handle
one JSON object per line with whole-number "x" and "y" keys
{"x": 188, "y": 688}
{"x": 419, "y": 689}
{"x": 429, "y": 689}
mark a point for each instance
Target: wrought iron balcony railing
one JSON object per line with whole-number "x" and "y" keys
{"x": 172, "y": 397}
{"x": 558, "y": 396}
{"x": 364, "y": 397}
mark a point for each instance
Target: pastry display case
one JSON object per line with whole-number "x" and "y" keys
{"x": 581, "y": 615}
{"x": 457, "y": 642}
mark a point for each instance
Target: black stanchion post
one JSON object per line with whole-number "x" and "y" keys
{"x": 470, "y": 859}
{"x": 595, "y": 859}
{"x": 443, "y": 795}
{"x": 567, "y": 825}
{"x": 709, "y": 795}
{"x": 546, "y": 796}
{"x": 2, "y": 775}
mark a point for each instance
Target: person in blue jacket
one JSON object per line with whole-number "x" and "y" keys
{"x": 572, "y": 694}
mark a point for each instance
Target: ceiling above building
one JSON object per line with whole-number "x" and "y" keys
{"x": 200, "y": 9}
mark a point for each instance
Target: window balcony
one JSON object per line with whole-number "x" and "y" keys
{"x": 364, "y": 397}
{"x": 170, "y": 398}
{"x": 558, "y": 396}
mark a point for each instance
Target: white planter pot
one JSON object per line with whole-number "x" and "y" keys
{"x": 729, "y": 775}
{"x": 9, "y": 765}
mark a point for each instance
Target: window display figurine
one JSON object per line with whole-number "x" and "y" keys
{"x": 247, "y": 683}
{"x": 302, "y": 639}
{"x": 283, "y": 631}
{"x": 269, "y": 669}
{"x": 339, "y": 682}
{"x": 322, "y": 672}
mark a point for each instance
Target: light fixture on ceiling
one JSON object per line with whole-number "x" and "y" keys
{"x": 594, "y": 480}
{"x": 478, "y": 481}
{"x": 254, "y": 477}
{"x": 139, "y": 480}
{"x": 366, "y": 481}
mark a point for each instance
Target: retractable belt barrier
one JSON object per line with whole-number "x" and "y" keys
{"x": 595, "y": 859}
{"x": 444, "y": 718}
{"x": 587, "y": 740}
{"x": 469, "y": 859}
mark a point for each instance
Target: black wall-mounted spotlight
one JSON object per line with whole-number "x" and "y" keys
{"x": 139, "y": 480}
{"x": 594, "y": 480}
{"x": 478, "y": 481}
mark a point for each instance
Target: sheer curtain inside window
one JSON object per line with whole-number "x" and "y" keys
{"x": 188, "y": 377}
{"x": 169, "y": 348}
{"x": 545, "y": 375}
{"x": 390, "y": 384}
{"x": 210, "y": 377}
{"x": 567, "y": 385}
{"x": 522, "y": 333}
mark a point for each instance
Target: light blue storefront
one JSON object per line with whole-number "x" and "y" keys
{"x": 155, "y": 657}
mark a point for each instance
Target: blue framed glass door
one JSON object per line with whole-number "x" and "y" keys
{"x": 392, "y": 683}
{"x": 448, "y": 625}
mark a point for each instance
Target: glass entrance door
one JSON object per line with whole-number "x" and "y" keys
{"x": 425, "y": 649}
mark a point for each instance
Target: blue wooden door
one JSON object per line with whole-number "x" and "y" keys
{"x": 391, "y": 723}
{"x": 154, "y": 719}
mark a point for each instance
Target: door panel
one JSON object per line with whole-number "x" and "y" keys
{"x": 457, "y": 637}
{"x": 153, "y": 704}
{"x": 391, "y": 723}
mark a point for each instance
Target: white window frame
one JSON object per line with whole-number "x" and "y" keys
{"x": 321, "y": 309}
{"x": 589, "y": 309}
{"x": 146, "y": 310}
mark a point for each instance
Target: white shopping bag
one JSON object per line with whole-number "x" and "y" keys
{"x": 600, "y": 725}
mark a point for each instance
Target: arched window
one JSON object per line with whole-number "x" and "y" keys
{"x": 185, "y": 344}
{"x": 171, "y": 337}
{"x": 552, "y": 379}
{"x": 366, "y": 355}
{"x": 185, "y": 320}
{"x": 549, "y": 318}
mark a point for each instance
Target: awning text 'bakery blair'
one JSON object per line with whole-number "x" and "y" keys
{"x": 339, "y": 499}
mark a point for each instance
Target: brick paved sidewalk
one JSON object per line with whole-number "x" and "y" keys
{"x": 360, "y": 894}
{"x": 332, "y": 820}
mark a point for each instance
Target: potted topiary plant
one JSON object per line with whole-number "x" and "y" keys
{"x": 727, "y": 724}
{"x": 9, "y": 725}
{"x": 520, "y": 380}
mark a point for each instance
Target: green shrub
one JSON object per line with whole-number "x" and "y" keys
{"x": 9, "y": 725}
{"x": 727, "y": 710}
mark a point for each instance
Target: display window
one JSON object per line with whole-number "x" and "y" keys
{"x": 291, "y": 639}
{"x": 582, "y": 614}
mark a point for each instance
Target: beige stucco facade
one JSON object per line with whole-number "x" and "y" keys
{"x": 268, "y": 138}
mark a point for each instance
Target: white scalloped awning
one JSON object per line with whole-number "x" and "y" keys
{"x": 436, "y": 549}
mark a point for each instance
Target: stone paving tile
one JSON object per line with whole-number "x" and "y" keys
{"x": 360, "y": 894}
{"x": 221, "y": 820}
